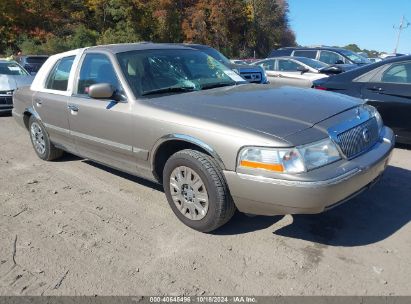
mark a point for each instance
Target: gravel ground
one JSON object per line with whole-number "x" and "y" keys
{"x": 72, "y": 227}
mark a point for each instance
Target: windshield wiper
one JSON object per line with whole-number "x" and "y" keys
{"x": 169, "y": 90}
{"x": 217, "y": 85}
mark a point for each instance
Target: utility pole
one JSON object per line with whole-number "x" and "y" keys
{"x": 403, "y": 25}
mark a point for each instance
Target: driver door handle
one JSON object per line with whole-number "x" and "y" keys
{"x": 376, "y": 89}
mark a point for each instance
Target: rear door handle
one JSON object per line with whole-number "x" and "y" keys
{"x": 38, "y": 102}
{"x": 73, "y": 108}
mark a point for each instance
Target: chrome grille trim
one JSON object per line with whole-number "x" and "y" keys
{"x": 6, "y": 100}
{"x": 358, "y": 139}
{"x": 252, "y": 76}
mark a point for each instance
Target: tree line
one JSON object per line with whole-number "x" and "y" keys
{"x": 238, "y": 28}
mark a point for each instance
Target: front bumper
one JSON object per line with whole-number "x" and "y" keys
{"x": 268, "y": 196}
{"x": 6, "y": 103}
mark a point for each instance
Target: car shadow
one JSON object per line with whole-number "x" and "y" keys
{"x": 242, "y": 223}
{"x": 124, "y": 175}
{"x": 369, "y": 218}
{"x": 403, "y": 146}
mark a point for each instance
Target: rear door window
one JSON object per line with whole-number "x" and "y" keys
{"x": 267, "y": 65}
{"x": 330, "y": 57}
{"x": 288, "y": 66}
{"x": 59, "y": 75}
{"x": 398, "y": 73}
{"x": 306, "y": 53}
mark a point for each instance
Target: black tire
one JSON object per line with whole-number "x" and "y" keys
{"x": 221, "y": 207}
{"x": 50, "y": 151}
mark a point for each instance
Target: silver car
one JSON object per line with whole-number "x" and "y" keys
{"x": 12, "y": 76}
{"x": 296, "y": 71}
{"x": 176, "y": 116}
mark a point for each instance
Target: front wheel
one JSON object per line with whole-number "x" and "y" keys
{"x": 196, "y": 190}
{"x": 41, "y": 142}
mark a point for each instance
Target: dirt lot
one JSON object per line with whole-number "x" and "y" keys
{"x": 72, "y": 227}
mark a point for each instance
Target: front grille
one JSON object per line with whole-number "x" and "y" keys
{"x": 6, "y": 100}
{"x": 254, "y": 77}
{"x": 358, "y": 139}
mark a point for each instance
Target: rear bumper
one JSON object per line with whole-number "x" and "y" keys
{"x": 267, "y": 196}
{"x": 6, "y": 109}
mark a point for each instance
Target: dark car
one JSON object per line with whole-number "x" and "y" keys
{"x": 330, "y": 55}
{"x": 32, "y": 63}
{"x": 253, "y": 74}
{"x": 386, "y": 85}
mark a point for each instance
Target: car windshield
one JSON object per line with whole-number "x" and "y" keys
{"x": 12, "y": 68}
{"x": 216, "y": 55}
{"x": 355, "y": 57}
{"x": 150, "y": 72}
{"x": 315, "y": 64}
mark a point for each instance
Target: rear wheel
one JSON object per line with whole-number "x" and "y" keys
{"x": 41, "y": 141}
{"x": 196, "y": 190}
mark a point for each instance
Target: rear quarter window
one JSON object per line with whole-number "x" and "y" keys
{"x": 59, "y": 75}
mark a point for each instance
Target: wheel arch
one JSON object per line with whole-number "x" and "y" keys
{"x": 28, "y": 112}
{"x": 172, "y": 143}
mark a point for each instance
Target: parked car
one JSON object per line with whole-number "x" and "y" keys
{"x": 32, "y": 63}
{"x": 176, "y": 116}
{"x": 386, "y": 85}
{"x": 252, "y": 74}
{"x": 329, "y": 55}
{"x": 296, "y": 71}
{"x": 392, "y": 55}
{"x": 12, "y": 76}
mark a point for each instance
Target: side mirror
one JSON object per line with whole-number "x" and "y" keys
{"x": 101, "y": 91}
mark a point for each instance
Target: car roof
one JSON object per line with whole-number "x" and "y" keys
{"x": 329, "y": 48}
{"x": 41, "y": 56}
{"x": 126, "y": 47}
{"x": 196, "y": 45}
{"x": 287, "y": 57}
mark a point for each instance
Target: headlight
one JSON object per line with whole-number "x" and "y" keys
{"x": 319, "y": 154}
{"x": 292, "y": 160}
{"x": 374, "y": 113}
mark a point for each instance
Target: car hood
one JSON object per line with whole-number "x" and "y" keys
{"x": 12, "y": 82}
{"x": 244, "y": 68}
{"x": 277, "y": 112}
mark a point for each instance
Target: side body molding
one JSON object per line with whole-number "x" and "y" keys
{"x": 188, "y": 139}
